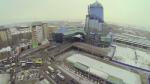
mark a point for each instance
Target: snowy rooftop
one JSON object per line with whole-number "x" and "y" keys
{"x": 105, "y": 70}
{"x": 6, "y": 49}
{"x": 132, "y": 39}
{"x": 68, "y": 31}
{"x": 133, "y": 57}
{"x": 15, "y": 31}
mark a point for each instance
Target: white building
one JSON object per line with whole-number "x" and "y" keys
{"x": 39, "y": 33}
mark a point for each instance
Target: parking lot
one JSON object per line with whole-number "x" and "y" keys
{"x": 32, "y": 74}
{"x": 60, "y": 77}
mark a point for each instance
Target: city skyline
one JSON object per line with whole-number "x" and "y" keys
{"x": 133, "y": 12}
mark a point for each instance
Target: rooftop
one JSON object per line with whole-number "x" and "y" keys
{"x": 6, "y": 49}
{"x": 105, "y": 71}
{"x": 133, "y": 57}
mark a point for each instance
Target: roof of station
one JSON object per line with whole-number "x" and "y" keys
{"x": 106, "y": 71}
{"x": 68, "y": 31}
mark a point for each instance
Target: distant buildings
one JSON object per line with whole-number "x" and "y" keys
{"x": 51, "y": 29}
{"x": 4, "y": 34}
{"x": 39, "y": 33}
{"x": 4, "y": 37}
{"x": 36, "y": 33}
{"x": 20, "y": 34}
{"x": 45, "y": 30}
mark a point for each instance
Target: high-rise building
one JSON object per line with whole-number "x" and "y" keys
{"x": 20, "y": 34}
{"x": 51, "y": 30}
{"x": 5, "y": 37}
{"x": 37, "y": 34}
{"x": 94, "y": 23}
{"x": 94, "y": 19}
{"x": 95, "y": 32}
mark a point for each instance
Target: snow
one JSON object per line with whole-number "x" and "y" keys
{"x": 102, "y": 69}
{"x": 98, "y": 73}
{"x": 6, "y": 49}
{"x": 78, "y": 36}
{"x": 133, "y": 57}
{"x": 14, "y": 31}
{"x": 133, "y": 39}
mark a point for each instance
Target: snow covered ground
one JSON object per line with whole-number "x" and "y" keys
{"x": 133, "y": 57}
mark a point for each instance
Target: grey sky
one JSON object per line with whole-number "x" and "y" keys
{"x": 134, "y": 12}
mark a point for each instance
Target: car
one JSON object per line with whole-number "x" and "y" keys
{"x": 13, "y": 64}
{"x": 61, "y": 76}
{"x": 47, "y": 72}
{"x": 58, "y": 71}
{"x": 53, "y": 76}
{"x": 7, "y": 66}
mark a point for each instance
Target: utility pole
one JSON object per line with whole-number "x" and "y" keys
{"x": 136, "y": 57}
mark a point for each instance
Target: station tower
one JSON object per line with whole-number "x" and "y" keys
{"x": 94, "y": 22}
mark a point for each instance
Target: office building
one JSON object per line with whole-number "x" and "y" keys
{"x": 94, "y": 19}
{"x": 94, "y": 23}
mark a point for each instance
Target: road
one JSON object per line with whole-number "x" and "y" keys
{"x": 76, "y": 77}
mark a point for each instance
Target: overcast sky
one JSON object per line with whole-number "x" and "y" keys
{"x": 134, "y": 12}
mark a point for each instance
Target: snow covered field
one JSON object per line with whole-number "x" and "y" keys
{"x": 132, "y": 56}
